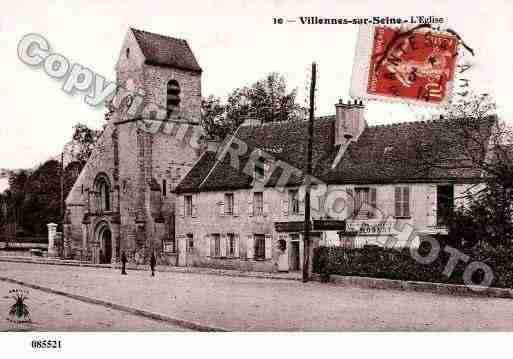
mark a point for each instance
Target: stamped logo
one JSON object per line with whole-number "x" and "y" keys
{"x": 413, "y": 66}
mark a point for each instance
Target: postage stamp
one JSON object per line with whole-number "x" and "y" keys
{"x": 415, "y": 66}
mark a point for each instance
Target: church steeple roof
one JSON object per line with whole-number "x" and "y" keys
{"x": 165, "y": 51}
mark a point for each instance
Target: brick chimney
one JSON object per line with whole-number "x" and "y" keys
{"x": 349, "y": 121}
{"x": 349, "y": 125}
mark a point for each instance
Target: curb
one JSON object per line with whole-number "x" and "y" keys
{"x": 193, "y": 270}
{"x": 412, "y": 286}
{"x": 139, "y": 312}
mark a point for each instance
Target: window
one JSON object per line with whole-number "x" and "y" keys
{"x": 259, "y": 246}
{"x": 216, "y": 245}
{"x": 364, "y": 202}
{"x": 164, "y": 188}
{"x": 127, "y": 52}
{"x": 402, "y": 202}
{"x": 190, "y": 243}
{"x": 102, "y": 189}
{"x": 228, "y": 204}
{"x": 173, "y": 96}
{"x": 231, "y": 245}
{"x": 294, "y": 201}
{"x": 444, "y": 204}
{"x": 188, "y": 205}
{"x": 258, "y": 203}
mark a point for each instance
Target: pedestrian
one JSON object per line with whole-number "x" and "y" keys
{"x": 153, "y": 262}
{"x": 123, "y": 263}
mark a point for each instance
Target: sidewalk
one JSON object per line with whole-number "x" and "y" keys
{"x": 197, "y": 270}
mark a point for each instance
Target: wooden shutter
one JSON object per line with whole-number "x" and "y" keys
{"x": 220, "y": 206}
{"x": 235, "y": 207}
{"x": 266, "y": 209}
{"x": 350, "y": 203}
{"x": 268, "y": 246}
{"x": 250, "y": 246}
{"x": 210, "y": 244}
{"x": 236, "y": 249}
{"x": 406, "y": 201}
{"x": 431, "y": 202}
{"x": 373, "y": 202}
{"x": 194, "y": 206}
{"x": 223, "y": 244}
{"x": 181, "y": 206}
{"x": 397, "y": 199}
{"x": 285, "y": 207}
{"x": 250, "y": 208}
{"x": 242, "y": 247}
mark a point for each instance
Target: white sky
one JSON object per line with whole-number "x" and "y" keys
{"x": 235, "y": 42}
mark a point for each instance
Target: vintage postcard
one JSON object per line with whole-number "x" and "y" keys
{"x": 254, "y": 167}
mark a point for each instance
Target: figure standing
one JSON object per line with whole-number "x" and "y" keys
{"x": 153, "y": 262}
{"x": 123, "y": 263}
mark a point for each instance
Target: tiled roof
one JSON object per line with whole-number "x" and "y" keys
{"x": 382, "y": 154}
{"x": 160, "y": 50}
{"x": 198, "y": 173}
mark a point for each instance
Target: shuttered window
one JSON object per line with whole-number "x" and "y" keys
{"x": 230, "y": 250}
{"x": 216, "y": 245}
{"x": 402, "y": 201}
{"x": 258, "y": 203}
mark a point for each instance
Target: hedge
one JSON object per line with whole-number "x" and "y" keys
{"x": 389, "y": 263}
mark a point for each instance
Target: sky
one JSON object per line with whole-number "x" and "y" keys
{"x": 236, "y": 44}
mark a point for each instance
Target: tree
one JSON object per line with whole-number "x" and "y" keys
{"x": 267, "y": 100}
{"x": 484, "y": 142}
{"x": 42, "y": 198}
{"x": 83, "y": 141}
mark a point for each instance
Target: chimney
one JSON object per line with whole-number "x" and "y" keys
{"x": 252, "y": 122}
{"x": 349, "y": 121}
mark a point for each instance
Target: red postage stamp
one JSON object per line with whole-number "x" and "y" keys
{"x": 413, "y": 66}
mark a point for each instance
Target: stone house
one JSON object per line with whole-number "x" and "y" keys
{"x": 242, "y": 206}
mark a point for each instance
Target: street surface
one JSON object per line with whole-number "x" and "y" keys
{"x": 236, "y": 303}
{"x": 58, "y": 313}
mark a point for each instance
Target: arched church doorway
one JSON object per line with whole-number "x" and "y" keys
{"x": 105, "y": 237}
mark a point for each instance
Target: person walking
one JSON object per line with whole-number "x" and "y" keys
{"x": 123, "y": 263}
{"x": 153, "y": 262}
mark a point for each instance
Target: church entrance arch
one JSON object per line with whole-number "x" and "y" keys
{"x": 104, "y": 237}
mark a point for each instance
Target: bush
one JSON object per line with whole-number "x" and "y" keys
{"x": 388, "y": 263}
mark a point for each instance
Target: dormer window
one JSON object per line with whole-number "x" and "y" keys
{"x": 173, "y": 96}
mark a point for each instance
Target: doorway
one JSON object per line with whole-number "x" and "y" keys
{"x": 294, "y": 255}
{"x": 106, "y": 246}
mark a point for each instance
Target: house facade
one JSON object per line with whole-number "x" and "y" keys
{"x": 242, "y": 206}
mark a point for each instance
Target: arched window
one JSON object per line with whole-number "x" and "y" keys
{"x": 102, "y": 189}
{"x": 173, "y": 96}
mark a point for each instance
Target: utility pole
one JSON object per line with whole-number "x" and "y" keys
{"x": 306, "y": 252}
{"x": 62, "y": 190}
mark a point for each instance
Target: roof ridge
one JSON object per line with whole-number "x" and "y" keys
{"x": 157, "y": 34}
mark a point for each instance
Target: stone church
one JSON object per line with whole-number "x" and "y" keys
{"x": 123, "y": 199}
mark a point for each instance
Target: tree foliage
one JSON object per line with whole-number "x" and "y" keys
{"x": 83, "y": 141}
{"x": 266, "y": 100}
{"x": 488, "y": 212}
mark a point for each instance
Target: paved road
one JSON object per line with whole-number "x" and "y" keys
{"x": 58, "y": 313}
{"x": 262, "y": 304}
